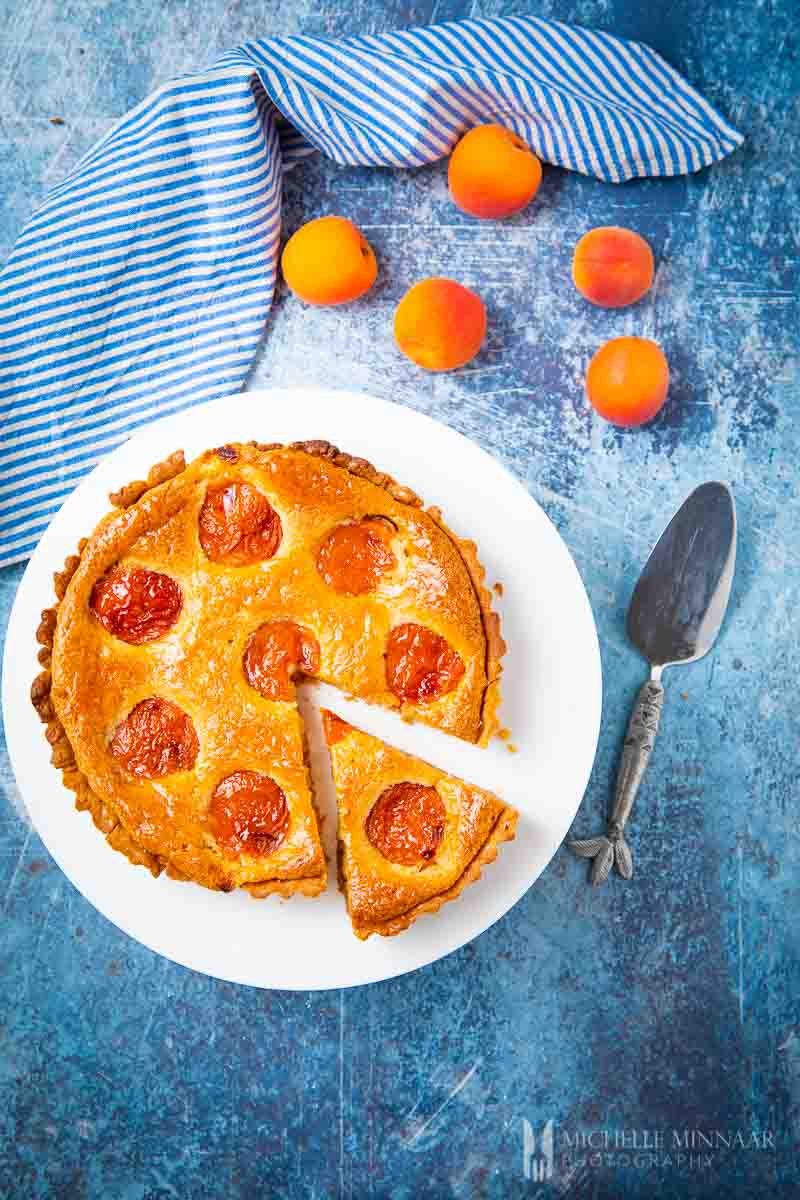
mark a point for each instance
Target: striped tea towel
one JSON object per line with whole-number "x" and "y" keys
{"x": 142, "y": 284}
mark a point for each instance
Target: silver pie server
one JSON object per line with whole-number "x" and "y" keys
{"x": 675, "y": 614}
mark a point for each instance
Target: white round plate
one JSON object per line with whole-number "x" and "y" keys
{"x": 551, "y": 690}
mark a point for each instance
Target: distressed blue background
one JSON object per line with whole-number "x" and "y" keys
{"x": 664, "y": 1004}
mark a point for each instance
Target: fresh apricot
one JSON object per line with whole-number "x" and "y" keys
{"x": 627, "y": 380}
{"x": 329, "y": 261}
{"x": 492, "y": 173}
{"x": 612, "y": 267}
{"x": 439, "y": 324}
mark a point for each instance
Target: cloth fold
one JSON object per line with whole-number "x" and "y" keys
{"x": 142, "y": 284}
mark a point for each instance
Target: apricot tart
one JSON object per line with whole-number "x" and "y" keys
{"x": 184, "y": 620}
{"x": 410, "y": 837}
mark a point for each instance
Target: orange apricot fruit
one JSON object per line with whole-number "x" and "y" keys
{"x": 492, "y": 173}
{"x": 329, "y": 261}
{"x": 612, "y": 267}
{"x": 439, "y": 324}
{"x": 627, "y": 380}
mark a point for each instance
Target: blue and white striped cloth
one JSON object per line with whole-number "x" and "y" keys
{"x": 142, "y": 284}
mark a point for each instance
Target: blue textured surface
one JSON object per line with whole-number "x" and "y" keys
{"x": 663, "y": 1005}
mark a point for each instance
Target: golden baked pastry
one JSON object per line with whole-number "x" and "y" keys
{"x": 170, "y": 658}
{"x": 410, "y": 836}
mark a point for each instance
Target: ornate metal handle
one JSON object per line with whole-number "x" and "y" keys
{"x": 639, "y": 741}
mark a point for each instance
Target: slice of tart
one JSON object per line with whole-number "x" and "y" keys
{"x": 410, "y": 836}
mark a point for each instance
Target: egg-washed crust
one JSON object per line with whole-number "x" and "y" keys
{"x": 478, "y": 822}
{"x": 103, "y": 813}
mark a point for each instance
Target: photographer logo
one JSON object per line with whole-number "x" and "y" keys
{"x": 661, "y": 1150}
{"x": 537, "y": 1154}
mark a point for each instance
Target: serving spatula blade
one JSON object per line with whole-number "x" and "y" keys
{"x": 679, "y": 601}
